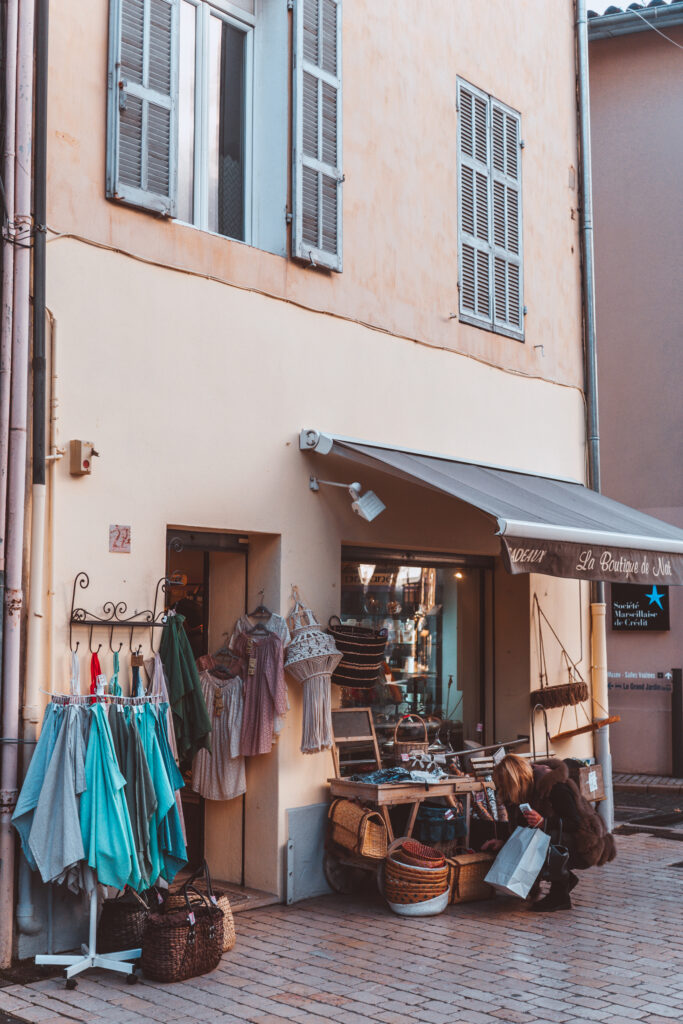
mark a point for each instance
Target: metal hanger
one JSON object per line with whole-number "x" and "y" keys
{"x": 261, "y": 611}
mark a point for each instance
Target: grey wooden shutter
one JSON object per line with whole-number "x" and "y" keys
{"x": 506, "y": 184}
{"x": 474, "y": 213}
{"x": 317, "y": 133}
{"x": 142, "y": 124}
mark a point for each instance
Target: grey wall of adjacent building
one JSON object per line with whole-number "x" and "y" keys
{"x": 636, "y": 102}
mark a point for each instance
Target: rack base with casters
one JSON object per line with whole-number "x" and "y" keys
{"x": 74, "y": 963}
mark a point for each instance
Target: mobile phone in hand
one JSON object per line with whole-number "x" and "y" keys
{"x": 525, "y": 808}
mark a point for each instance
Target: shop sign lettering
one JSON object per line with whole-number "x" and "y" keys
{"x": 529, "y": 555}
{"x": 575, "y": 561}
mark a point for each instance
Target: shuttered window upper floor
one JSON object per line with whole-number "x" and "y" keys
{"x": 199, "y": 119}
{"x": 490, "y": 266}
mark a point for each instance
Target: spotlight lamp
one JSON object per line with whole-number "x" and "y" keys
{"x": 368, "y": 506}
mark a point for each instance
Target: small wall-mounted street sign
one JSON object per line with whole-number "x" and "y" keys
{"x": 637, "y": 608}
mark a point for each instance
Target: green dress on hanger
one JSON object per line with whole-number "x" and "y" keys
{"x": 190, "y": 717}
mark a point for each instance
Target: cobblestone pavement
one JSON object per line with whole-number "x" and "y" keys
{"x": 616, "y": 957}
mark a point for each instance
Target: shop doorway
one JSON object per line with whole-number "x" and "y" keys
{"x": 208, "y": 575}
{"x": 437, "y": 611}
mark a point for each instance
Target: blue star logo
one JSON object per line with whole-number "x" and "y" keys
{"x": 655, "y": 598}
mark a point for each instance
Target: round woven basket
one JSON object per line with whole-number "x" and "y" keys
{"x": 402, "y": 747}
{"x": 403, "y": 872}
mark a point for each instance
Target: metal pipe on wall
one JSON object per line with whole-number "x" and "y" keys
{"x": 16, "y": 506}
{"x": 35, "y": 646}
{"x": 10, "y": 88}
{"x": 600, "y": 694}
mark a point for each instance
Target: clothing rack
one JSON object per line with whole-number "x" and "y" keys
{"x": 114, "y": 613}
{"x": 119, "y": 962}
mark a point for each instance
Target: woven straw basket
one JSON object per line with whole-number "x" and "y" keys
{"x": 466, "y": 874}
{"x": 358, "y": 829}
{"x": 408, "y": 746}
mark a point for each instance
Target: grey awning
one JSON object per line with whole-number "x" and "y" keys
{"x": 547, "y": 525}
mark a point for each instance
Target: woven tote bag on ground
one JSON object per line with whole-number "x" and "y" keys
{"x": 362, "y": 651}
{"x": 122, "y": 920}
{"x": 183, "y": 944}
{"x": 176, "y": 901}
{"x": 358, "y": 829}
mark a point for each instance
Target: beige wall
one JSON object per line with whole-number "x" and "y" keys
{"x": 231, "y": 462}
{"x": 194, "y": 390}
{"x": 636, "y": 102}
{"x": 400, "y": 209}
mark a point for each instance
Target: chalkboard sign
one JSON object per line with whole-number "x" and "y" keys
{"x": 637, "y": 608}
{"x": 355, "y": 743}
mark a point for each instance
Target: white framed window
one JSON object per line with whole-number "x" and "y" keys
{"x": 215, "y": 119}
{"x": 198, "y": 121}
{"x": 490, "y": 258}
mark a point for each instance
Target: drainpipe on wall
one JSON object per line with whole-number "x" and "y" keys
{"x": 14, "y": 593}
{"x": 35, "y": 646}
{"x": 598, "y": 619}
{"x": 10, "y": 88}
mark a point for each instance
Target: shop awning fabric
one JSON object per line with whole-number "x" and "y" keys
{"x": 550, "y": 526}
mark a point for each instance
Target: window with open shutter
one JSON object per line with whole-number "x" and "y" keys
{"x": 142, "y": 116}
{"x": 317, "y": 156}
{"x": 489, "y": 213}
{"x": 507, "y": 211}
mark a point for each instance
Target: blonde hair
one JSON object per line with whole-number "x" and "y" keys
{"x": 514, "y": 779}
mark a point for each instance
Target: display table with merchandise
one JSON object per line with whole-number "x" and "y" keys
{"x": 386, "y": 795}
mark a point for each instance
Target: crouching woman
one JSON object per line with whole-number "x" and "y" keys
{"x": 557, "y": 805}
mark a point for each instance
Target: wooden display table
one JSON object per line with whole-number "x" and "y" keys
{"x": 392, "y": 794}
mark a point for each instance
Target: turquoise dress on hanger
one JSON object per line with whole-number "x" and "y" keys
{"x": 22, "y": 819}
{"x": 171, "y": 839}
{"x": 144, "y": 720}
{"x": 105, "y": 821}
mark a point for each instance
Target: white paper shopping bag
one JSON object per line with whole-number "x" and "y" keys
{"x": 519, "y": 862}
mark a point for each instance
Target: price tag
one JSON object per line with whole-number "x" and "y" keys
{"x": 191, "y": 917}
{"x": 593, "y": 782}
{"x": 499, "y": 755}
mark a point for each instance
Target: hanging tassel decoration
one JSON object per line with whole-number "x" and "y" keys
{"x": 312, "y": 657}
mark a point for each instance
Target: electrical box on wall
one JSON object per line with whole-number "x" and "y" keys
{"x": 81, "y": 454}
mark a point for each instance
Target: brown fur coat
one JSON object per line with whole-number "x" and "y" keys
{"x": 591, "y": 842}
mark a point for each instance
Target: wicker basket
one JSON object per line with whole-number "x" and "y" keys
{"x": 466, "y": 874}
{"x": 419, "y": 854}
{"x": 122, "y": 922}
{"x": 396, "y": 872}
{"x": 362, "y": 652}
{"x": 174, "y": 901}
{"x": 402, "y": 747}
{"x": 183, "y": 944}
{"x": 562, "y": 696}
{"x": 358, "y": 828}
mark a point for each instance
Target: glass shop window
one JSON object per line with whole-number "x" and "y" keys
{"x": 434, "y": 663}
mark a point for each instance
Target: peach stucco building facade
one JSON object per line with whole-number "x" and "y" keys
{"x": 636, "y": 99}
{"x": 191, "y": 361}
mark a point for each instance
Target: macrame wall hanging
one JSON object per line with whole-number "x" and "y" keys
{"x": 312, "y": 657}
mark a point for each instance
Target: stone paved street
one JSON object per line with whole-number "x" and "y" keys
{"x": 616, "y": 957}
